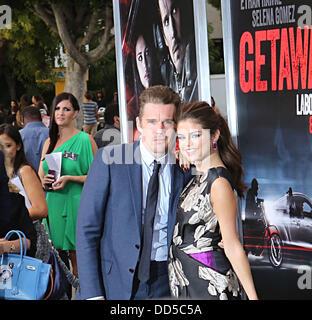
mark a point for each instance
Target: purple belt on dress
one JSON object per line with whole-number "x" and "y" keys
{"x": 205, "y": 258}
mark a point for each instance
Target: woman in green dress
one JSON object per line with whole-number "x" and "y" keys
{"x": 78, "y": 149}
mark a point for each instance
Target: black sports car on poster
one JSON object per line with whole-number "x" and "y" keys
{"x": 282, "y": 229}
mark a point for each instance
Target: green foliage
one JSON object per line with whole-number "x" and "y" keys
{"x": 216, "y": 3}
{"x": 103, "y": 77}
{"x": 84, "y": 28}
{"x": 32, "y": 46}
{"x": 216, "y": 58}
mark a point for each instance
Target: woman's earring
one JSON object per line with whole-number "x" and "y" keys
{"x": 214, "y": 145}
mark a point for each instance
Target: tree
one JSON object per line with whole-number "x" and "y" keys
{"x": 215, "y": 3}
{"x": 25, "y": 48}
{"x": 5, "y": 69}
{"x": 216, "y": 58}
{"x": 106, "y": 82}
{"x": 85, "y": 29}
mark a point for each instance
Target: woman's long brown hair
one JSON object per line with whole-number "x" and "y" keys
{"x": 53, "y": 132}
{"x": 202, "y": 113}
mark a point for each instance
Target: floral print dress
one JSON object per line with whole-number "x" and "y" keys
{"x": 198, "y": 267}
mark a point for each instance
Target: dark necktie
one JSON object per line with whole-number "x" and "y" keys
{"x": 151, "y": 202}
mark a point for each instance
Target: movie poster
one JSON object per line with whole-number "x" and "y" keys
{"x": 272, "y": 61}
{"x": 158, "y": 47}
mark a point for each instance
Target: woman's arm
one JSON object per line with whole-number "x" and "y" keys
{"x": 34, "y": 192}
{"x": 61, "y": 182}
{"x": 11, "y": 246}
{"x": 224, "y": 204}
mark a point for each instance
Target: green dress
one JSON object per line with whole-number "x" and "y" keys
{"x": 63, "y": 204}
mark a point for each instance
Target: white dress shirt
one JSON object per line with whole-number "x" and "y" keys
{"x": 159, "y": 243}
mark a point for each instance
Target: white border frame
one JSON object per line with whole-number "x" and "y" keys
{"x": 202, "y": 50}
{"x": 229, "y": 68}
{"x": 121, "y": 80}
{"x": 230, "y": 79}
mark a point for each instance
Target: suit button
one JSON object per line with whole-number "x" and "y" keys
{"x": 131, "y": 270}
{"x": 137, "y": 246}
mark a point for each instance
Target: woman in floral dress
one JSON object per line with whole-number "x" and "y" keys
{"x": 198, "y": 267}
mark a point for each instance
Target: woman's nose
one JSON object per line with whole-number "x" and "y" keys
{"x": 188, "y": 142}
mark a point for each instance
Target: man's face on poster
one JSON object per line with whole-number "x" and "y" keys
{"x": 171, "y": 23}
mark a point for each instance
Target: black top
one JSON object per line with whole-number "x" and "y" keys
{"x": 20, "y": 220}
{"x": 4, "y": 192}
{"x": 13, "y": 212}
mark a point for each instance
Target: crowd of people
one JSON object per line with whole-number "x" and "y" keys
{"x": 100, "y": 120}
{"x": 13, "y": 116}
{"x": 126, "y": 218}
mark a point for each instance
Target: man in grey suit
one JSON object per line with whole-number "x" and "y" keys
{"x": 111, "y": 233}
{"x": 34, "y": 134}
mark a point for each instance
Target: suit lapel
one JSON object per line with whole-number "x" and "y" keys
{"x": 176, "y": 189}
{"x": 135, "y": 180}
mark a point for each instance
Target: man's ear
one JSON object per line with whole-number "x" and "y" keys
{"x": 138, "y": 124}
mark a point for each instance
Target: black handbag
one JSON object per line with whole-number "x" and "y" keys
{"x": 60, "y": 284}
{"x": 63, "y": 278}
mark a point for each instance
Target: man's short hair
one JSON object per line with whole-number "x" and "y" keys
{"x": 159, "y": 95}
{"x": 111, "y": 111}
{"x": 89, "y": 95}
{"x": 31, "y": 113}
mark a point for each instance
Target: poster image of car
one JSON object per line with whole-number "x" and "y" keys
{"x": 280, "y": 230}
{"x": 272, "y": 63}
{"x": 158, "y": 47}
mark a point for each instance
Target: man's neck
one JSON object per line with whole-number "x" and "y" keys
{"x": 31, "y": 121}
{"x": 155, "y": 155}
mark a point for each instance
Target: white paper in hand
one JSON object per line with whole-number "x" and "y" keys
{"x": 54, "y": 162}
{"x": 18, "y": 183}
